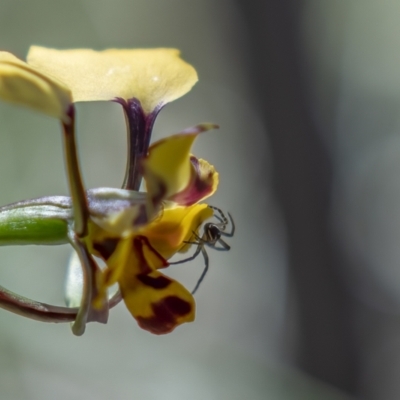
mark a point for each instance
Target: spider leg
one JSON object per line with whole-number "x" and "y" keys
{"x": 225, "y": 246}
{"x": 203, "y": 274}
{"x": 190, "y": 242}
{"x": 232, "y": 232}
{"x": 210, "y": 237}
{"x": 219, "y": 218}
{"x": 199, "y": 243}
{"x": 195, "y": 254}
{"x": 221, "y": 226}
{"x": 199, "y": 239}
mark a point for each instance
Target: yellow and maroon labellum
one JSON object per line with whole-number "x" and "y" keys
{"x": 157, "y": 302}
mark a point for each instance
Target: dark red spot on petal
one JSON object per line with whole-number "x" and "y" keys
{"x": 160, "y": 282}
{"x": 138, "y": 243}
{"x": 165, "y": 315}
{"x": 177, "y": 306}
{"x": 106, "y": 247}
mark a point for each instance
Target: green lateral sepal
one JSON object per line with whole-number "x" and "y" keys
{"x": 45, "y": 220}
{"x": 38, "y": 221}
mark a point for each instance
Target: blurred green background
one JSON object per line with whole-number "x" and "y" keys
{"x": 306, "y": 304}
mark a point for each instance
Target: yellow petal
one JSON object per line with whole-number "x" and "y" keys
{"x": 157, "y": 302}
{"x": 176, "y": 225}
{"x": 24, "y": 85}
{"x": 153, "y": 76}
{"x": 132, "y": 254}
{"x": 168, "y": 168}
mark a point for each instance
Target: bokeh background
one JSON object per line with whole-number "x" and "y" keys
{"x": 306, "y": 304}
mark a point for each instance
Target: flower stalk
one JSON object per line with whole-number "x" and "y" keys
{"x": 139, "y": 127}
{"x": 78, "y": 195}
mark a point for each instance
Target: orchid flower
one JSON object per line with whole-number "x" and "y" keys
{"x": 157, "y": 302}
{"x": 135, "y": 233}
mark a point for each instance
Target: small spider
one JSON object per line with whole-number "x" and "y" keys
{"x": 212, "y": 233}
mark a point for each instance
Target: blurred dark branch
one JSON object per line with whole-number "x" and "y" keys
{"x": 302, "y": 178}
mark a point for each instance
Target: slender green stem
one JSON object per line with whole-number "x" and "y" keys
{"x": 79, "y": 201}
{"x": 34, "y": 309}
{"x": 80, "y": 230}
{"x": 90, "y": 268}
{"x": 38, "y": 311}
